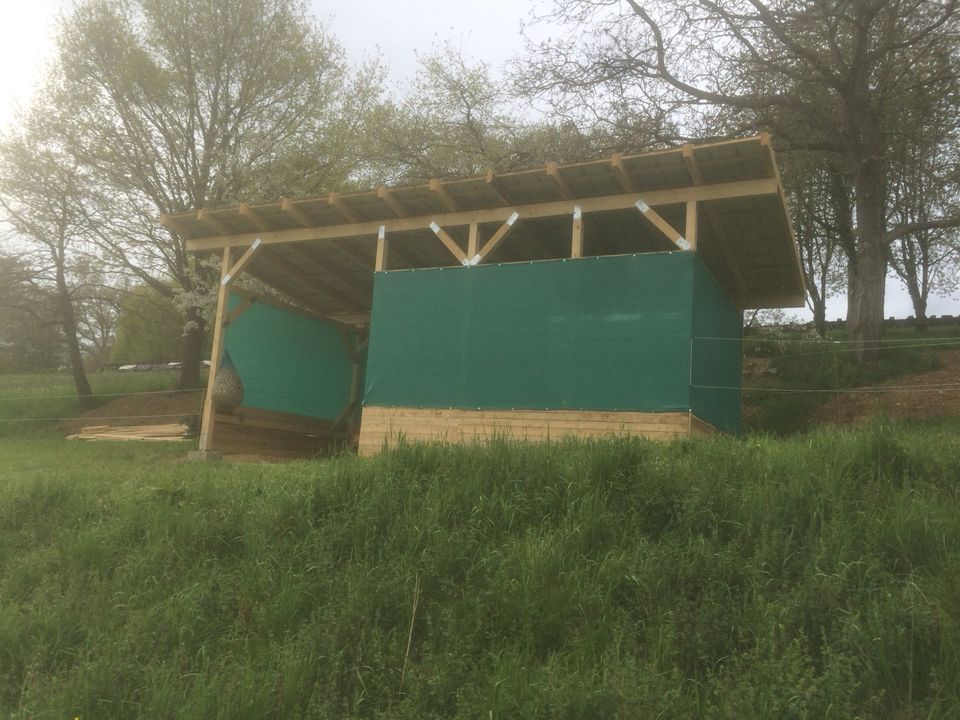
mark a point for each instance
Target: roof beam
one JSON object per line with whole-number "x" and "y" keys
{"x": 494, "y": 182}
{"x": 306, "y": 310}
{"x": 330, "y": 295}
{"x": 718, "y": 230}
{"x": 620, "y": 171}
{"x": 390, "y": 200}
{"x": 170, "y": 224}
{"x": 291, "y": 209}
{"x": 437, "y": 188}
{"x": 213, "y": 222}
{"x": 253, "y": 216}
{"x": 553, "y": 171}
{"x": 342, "y": 287}
{"x": 675, "y": 196}
{"x": 346, "y": 212}
{"x": 693, "y": 169}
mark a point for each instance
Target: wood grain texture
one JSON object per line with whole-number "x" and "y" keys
{"x": 383, "y": 426}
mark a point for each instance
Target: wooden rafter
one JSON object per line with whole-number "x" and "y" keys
{"x": 356, "y": 298}
{"x": 213, "y": 222}
{"x": 290, "y": 208}
{"x": 696, "y": 175}
{"x": 622, "y": 174}
{"x": 390, "y": 200}
{"x": 553, "y": 171}
{"x": 494, "y": 182}
{"x": 171, "y": 224}
{"x": 437, "y": 188}
{"x": 253, "y": 216}
{"x": 655, "y": 198}
{"x": 448, "y": 241}
{"x": 346, "y": 212}
{"x": 316, "y": 314}
{"x": 330, "y": 295}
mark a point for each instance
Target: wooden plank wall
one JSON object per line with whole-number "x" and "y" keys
{"x": 253, "y": 431}
{"x": 384, "y": 425}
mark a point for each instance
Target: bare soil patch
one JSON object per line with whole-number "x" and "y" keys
{"x": 143, "y": 409}
{"x": 924, "y": 395}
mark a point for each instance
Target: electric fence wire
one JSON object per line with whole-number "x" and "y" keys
{"x": 95, "y": 396}
{"x": 94, "y": 419}
{"x": 852, "y": 390}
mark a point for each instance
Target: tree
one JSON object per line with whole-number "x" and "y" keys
{"x": 826, "y": 75}
{"x": 823, "y": 224}
{"x": 148, "y": 328}
{"x": 928, "y": 258}
{"x": 42, "y": 196}
{"x": 29, "y": 341}
{"x": 175, "y": 105}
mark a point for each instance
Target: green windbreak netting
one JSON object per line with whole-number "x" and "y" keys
{"x": 716, "y": 370}
{"x": 288, "y": 362}
{"x": 609, "y": 333}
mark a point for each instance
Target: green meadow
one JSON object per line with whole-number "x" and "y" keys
{"x": 816, "y": 576}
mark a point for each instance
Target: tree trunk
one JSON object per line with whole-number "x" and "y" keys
{"x": 868, "y": 282}
{"x": 193, "y": 339}
{"x": 68, "y": 322}
{"x": 820, "y": 318}
{"x": 919, "y": 311}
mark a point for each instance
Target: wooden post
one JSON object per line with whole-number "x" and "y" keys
{"x": 576, "y": 246}
{"x": 473, "y": 241}
{"x": 383, "y": 247}
{"x": 690, "y": 230}
{"x": 206, "y": 422}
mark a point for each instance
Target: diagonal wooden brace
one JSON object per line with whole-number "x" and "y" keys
{"x": 240, "y": 265}
{"x": 662, "y": 225}
{"x": 498, "y": 237}
{"x": 448, "y": 241}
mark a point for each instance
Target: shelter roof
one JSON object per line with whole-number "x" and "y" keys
{"x": 723, "y": 198}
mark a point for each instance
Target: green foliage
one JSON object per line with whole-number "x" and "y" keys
{"x": 814, "y": 577}
{"x": 149, "y": 329}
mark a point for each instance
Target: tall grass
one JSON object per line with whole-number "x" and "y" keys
{"x": 812, "y": 577}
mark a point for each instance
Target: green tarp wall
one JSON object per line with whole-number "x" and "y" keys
{"x": 717, "y": 353}
{"x": 607, "y": 333}
{"x": 288, "y": 362}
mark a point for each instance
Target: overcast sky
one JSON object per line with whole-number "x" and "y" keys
{"x": 393, "y": 30}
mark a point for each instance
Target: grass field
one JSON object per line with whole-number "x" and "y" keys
{"x": 813, "y": 577}
{"x": 31, "y": 404}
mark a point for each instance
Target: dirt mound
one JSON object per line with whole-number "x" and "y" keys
{"x": 143, "y": 409}
{"x": 924, "y": 395}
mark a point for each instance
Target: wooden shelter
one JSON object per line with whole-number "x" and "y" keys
{"x": 583, "y": 299}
